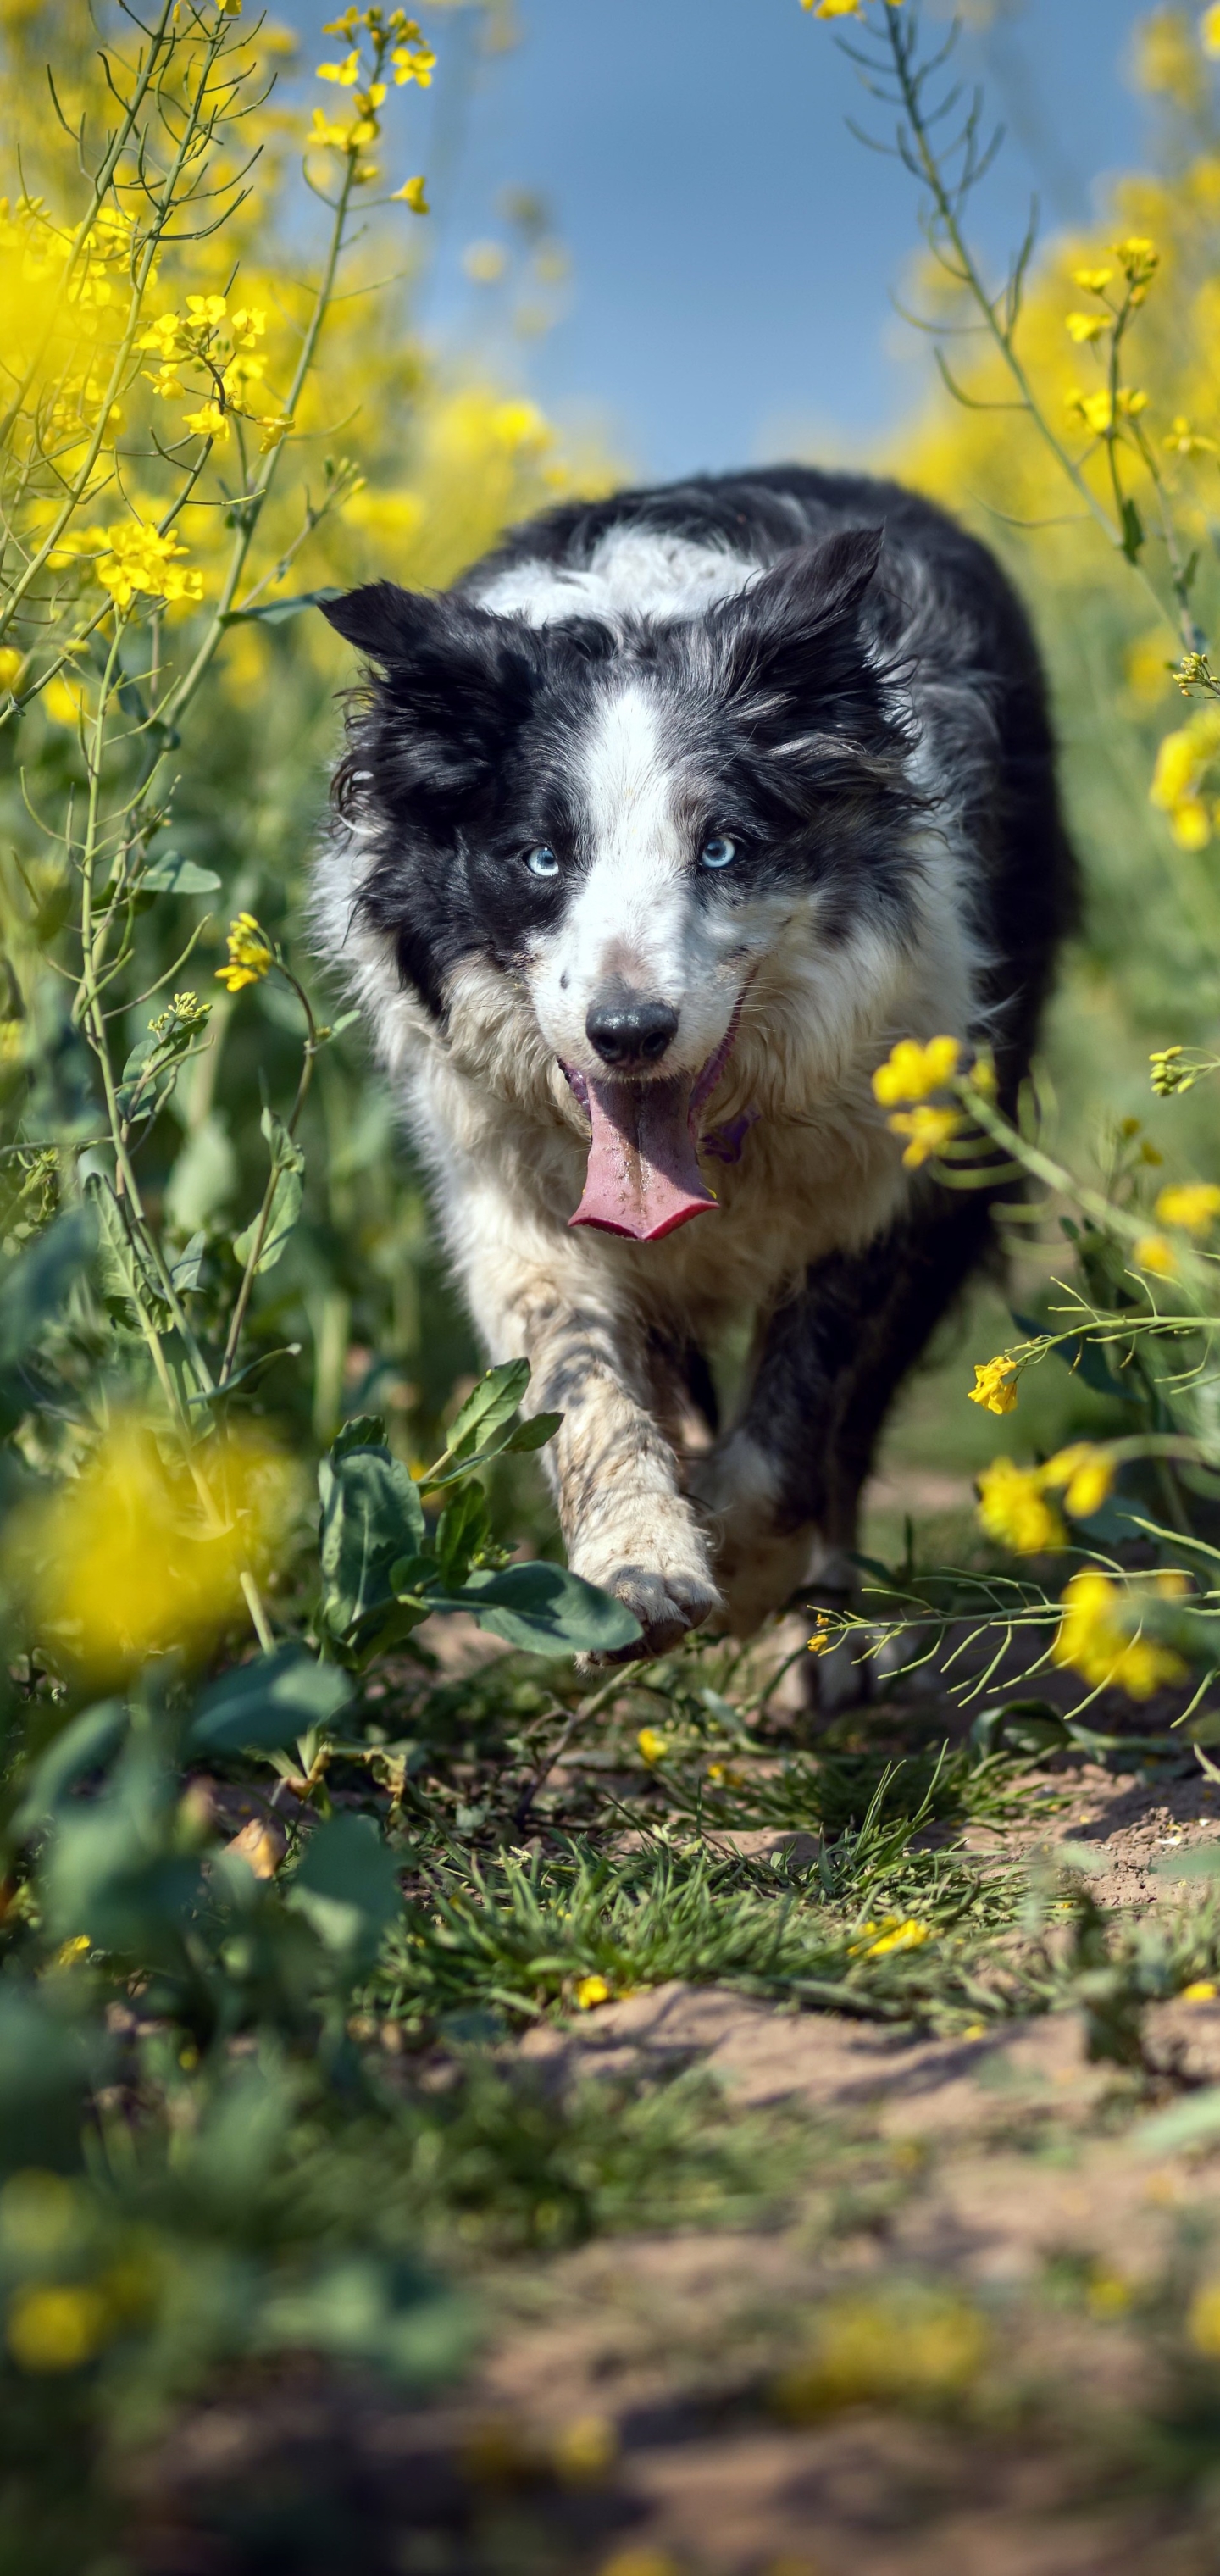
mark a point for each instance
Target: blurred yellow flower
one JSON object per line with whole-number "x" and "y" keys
{"x": 592, "y": 1991}
{"x": 124, "y": 1561}
{"x": 1087, "y": 326}
{"x": 1194, "y": 1205}
{"x": 912, "y": 1071}
{"x": 412, "y": 194}
{"x": 1209, "y": 29}
{"x": 250, "y": 954}
{"x": 69, "y": 1952}
{"x": 824, "y": 1635}
{"x": 413, "y": 60}
{"x": 54, "y": 2326}
{"x": 896, "y": 1932}
{"x": 927, "y": 1130}
{"x": 1155, "y": 1253}
{"x": 346, "y": 73}
{"x": 1093, "y": 280}
{"x": 995, "y": 1384}
{"x": 1014, "y": 1510}
{"x": 1095, "y": 1641}
{"x": 651, "y": 1746}
{"x": 10, "y": 666}
{"x": 1203, "y": 1990}
{"x": 1085, "y": 1475}
{"x": 208, "y": 422}
{"x": 1182, "y": 440}
{"x": 870, "y": 2349}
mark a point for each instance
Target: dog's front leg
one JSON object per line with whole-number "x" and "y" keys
{"x": 626, "y": 1524}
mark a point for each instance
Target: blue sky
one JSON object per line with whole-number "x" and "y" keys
{"x": 734, "y": 249}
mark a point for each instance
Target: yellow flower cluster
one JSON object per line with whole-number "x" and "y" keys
{"x": 1181, "y": 774}
{"x": 250, "y": 954}
{"x": 1096, "y": 1640}
{"x": 894, "y": 1932}
{"x": 995, "y": 1384}
{"x": 1193, "y": 1205}
{"x": 591, "y": 1992}
{"x": 871, "y": 2349}
{"x": 1102, "y": 412}
{"x": 1013, "y": 1501}
{"x": 124, "y": 1562}
{"x": 910, "y": 1073}
{"x": 221, "y": 347}
{"x": 651, "y": 1745}
{"x": 136, "y": 559}
{"x": 395, "y": 39}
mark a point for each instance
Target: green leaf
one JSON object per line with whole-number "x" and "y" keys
{"x": 463, "y": 1527}
{"x": 535, "y": 1433}
{"x": 346, "y": 1885}
{"x": 33, "y": 1288}
{"x": 187, "y": 1270}
{"x": 171, "y": 873}
{"x": 371, "y": 1516}
{"x": 1133, "y": 530}
{"x": 126, "y": 1267}
{"x": 490, "y": 1407}
{"x": 288, "y": 1181}
{"x": 265, "y": 1705}
{"x": 545, "y": 1609}
{"x": 275, "y": 611}
{"x": 364, "y": 1431}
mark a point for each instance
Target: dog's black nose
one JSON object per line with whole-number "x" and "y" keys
{"x": 630, "y": 1031}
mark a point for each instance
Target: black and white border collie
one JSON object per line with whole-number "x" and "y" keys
{"x": 651, "y": 838}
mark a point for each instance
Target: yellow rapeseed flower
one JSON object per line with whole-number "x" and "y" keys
{"x": 913, "y": 1072}
{"x": 1093, "y": 280}
{"x": 344, "y": 74}
{"x": 652, "y": 1746}
{"x": 10, "y": 666}
{"x": 136, "y": 559}
{"x": 927, "y": 1131}
{"x": 896, "y": 1932}
{"x": 412, "y": 194}
{"x": 1203, "y": 1990}
{"x": 1084, "y": 1474}
{"x": 1095, "y": 1641}
{"x": 1155, "y": 1253}
{"x": 124, "y": 1561}
{"x": 250, "y": 954}
{"x": 592, "y": 1991}
{"x": 995, "y": 1384}
{"x": 1086, "y": 326}
{"x": 1182, "y": 440}
{"x": 1013, "y": 1508}
{"x": 1209, "y": 29}
{"x": 55, "y": 2326}
{"x": 1194, "y": 1205}
{"x": 870, "y": 2349}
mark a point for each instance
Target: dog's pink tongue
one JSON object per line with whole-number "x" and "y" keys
{"x": 643, "y": 1178}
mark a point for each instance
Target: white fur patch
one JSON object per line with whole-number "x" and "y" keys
{"x": 634, "y": 572}
{"x": 635, "y": 916}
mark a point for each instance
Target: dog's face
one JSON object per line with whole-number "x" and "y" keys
{"x": 625, "y": 820}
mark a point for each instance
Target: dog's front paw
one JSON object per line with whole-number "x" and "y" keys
{"x": 666, "y": 1605}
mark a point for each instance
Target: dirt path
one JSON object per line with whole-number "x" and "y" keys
{"x": 974, "y": 2340}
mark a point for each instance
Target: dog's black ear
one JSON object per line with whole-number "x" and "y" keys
{"x": 795, "y": 633}
{"x": 378, "y": 619}
{"x": 451, "y": 685}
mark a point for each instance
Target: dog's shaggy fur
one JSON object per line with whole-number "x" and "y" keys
{"x": 527, "y": 890}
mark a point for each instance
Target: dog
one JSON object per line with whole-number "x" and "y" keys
{"x": 651, "y": 837}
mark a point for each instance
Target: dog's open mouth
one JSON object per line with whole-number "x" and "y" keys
{"x": 643, "y": 1177}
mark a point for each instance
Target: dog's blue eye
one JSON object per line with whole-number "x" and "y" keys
{"x": 542, "y": 862}
{"x": 717, "y": 853}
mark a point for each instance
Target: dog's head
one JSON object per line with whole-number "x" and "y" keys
{"x": 627, "y": 821}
